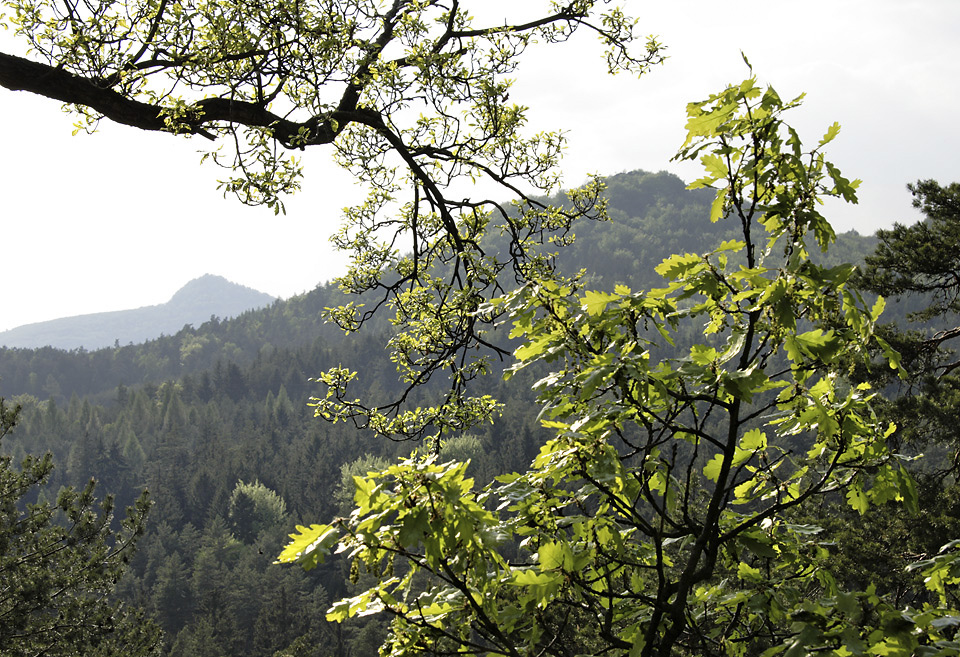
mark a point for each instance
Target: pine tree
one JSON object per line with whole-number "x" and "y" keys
{"x": 59, "y": 564}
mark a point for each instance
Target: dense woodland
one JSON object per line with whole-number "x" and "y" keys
{"x": 705, "y": 443}
{"x": 214, "y": 422}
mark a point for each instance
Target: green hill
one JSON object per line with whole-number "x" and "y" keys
{"x": 652, "y": 215}
{"x": 213, "y": 419}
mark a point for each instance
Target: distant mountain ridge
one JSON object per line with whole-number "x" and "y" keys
{"x": 287, "y": 342}
{"x": 194, "y": 304}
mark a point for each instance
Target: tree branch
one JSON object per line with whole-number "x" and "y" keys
{"x": 19, "y": 74}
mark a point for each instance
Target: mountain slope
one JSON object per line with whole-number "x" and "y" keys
{"x": 652, "y": 215}
{"x": 194, "y": 304}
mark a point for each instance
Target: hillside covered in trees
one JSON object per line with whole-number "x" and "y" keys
{"x": 214, "y": 422}
{"x": 688, "y": 434}
{"x": 652, "y": 214}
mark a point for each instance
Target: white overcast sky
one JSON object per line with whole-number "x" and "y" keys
{"x": 123, "y": 219}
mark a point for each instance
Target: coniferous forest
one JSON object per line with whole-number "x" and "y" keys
{"x": 214, "y": 422}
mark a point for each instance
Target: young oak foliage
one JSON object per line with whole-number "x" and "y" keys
{"x": 690, "y": 421}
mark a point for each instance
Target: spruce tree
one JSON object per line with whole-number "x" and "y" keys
{"x": 59, "y": 564}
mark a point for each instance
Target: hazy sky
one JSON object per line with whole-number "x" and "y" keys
{"x": 123, "y": 218}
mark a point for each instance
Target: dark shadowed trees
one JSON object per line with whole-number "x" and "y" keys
{"x": 59, "y": 564}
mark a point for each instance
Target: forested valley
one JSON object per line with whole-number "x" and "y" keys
{"x": 214, "y": 422}
{"x": 709, "y": 426}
